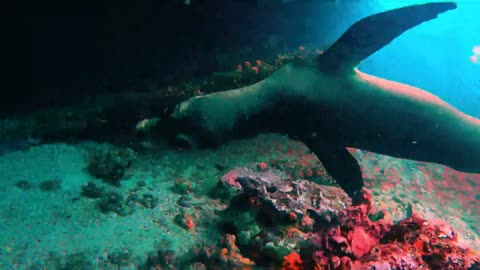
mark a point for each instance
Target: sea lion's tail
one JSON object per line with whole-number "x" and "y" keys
{"x": 372, "y": 33}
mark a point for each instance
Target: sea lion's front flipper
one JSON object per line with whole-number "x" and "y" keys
{"x": 340, "y": 164}
{"x": 374, "y": 32}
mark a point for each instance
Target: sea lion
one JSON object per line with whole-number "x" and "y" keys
{"x": 330, "y": 105}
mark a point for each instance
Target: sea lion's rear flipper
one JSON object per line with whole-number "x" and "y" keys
{"x": 340, "y": 164}
{"x": 374, "y": 32}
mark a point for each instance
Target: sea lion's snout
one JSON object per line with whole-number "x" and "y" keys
{"x": 189, "y": 125}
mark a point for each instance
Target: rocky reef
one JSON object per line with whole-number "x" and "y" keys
{"x": 274, "y": 222}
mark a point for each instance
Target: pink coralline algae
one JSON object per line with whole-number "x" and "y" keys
{"x": 331, "y": 233}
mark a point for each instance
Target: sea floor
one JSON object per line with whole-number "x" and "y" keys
{"x": 46, "y": 222}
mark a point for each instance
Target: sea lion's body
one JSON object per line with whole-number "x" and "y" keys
{"x": 329, "y": 105}
{"x": 406, "y": 122}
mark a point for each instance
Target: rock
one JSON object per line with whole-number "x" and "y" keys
{"x": 298, "y": 201}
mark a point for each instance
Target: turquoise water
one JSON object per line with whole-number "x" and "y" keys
{"x": 136, "y": 203}
{"x": 436, "y": 56}
{"x": 433, "y": 56}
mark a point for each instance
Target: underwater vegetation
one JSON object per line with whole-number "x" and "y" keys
{"x": 110, "y": 164}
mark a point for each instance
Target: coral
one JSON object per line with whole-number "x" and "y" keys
{"x": 277, "y": 215}
{"x": 411, "y": 244}
{"x": 182, "y": 186}
{"x": 262, "y": 166}
{"x": 162, "y": 259}
{"x": 230, "y": 256}
{"x": 114, "y": 202}
{"x": 147, "y": 200}
{"x": 284, "y": 201}
{"x": 292, "y": 262}
{"x": 243, "y": 74}
{"x": 225, "y": 255}
{"x": 110, "y": 164}
{"x": 91, "y": 190}
{"x": 362, "y": 242}
{"x": 434, "y": 241}
{"x": 245, "y": 224}
{"x": 185, "y": 220}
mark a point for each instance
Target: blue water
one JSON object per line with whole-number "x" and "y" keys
{"x": 434, "y": 55}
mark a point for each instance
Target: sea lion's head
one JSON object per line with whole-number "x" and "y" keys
{"x": 192, "y": 122}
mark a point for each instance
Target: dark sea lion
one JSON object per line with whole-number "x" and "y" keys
{"x": 330, "y": 105}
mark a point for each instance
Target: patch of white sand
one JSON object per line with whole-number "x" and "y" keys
{"x": 35, "y": 223}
